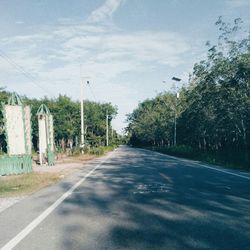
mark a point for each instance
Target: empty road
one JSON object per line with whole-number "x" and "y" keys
{"x": 134, "y": 199}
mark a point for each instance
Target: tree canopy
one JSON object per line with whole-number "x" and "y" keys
{"x": 213, "y": 111}
{"x": 66, "y": 115}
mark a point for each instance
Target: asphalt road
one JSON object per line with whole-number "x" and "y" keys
{"x": 135, "y": 199}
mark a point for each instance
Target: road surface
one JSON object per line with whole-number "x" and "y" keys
{"x": 134, "y": 199}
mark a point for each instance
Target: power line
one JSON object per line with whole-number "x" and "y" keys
{"x": 23, "y": 71}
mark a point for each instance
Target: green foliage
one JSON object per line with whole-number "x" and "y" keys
{"x": 101, "y": 150}
{"x": 213, "y": 112}
{"x": 3, "y": 99}
{"x": 67, "y": 125}
{"x": 66, "y": 114}
{"x": 152, "y": 121}
{"x": 96, "y": 151}
{"x": 179, "y": 150}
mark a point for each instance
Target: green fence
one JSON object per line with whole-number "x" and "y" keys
{"x": 15, "y": 164}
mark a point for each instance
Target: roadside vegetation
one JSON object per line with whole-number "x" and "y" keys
{"x": 212, "y": 111}
{"x": 26, "y": 183}
{"x": 66, "y": 115}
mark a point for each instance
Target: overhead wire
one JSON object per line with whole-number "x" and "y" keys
{"x": 21, "y": 70}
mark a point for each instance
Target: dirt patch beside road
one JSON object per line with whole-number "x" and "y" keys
{"x": 41, "y": 176}
{"x": 16, "y": 187}
{"x": 65, "y": 165}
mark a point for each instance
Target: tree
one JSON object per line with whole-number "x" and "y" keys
{"x": 66, "y": 115}
{"x": 213, "y": 112}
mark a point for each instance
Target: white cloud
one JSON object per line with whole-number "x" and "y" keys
{"x": 53, "y": 56}
{"x": 238, "y": 3}
{"x": 19, "y": 22}
{"x": 105, "y": 11}
{"x": 19, "y": 40}
{"x": 160, "y": 47}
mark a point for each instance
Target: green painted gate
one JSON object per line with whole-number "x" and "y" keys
{"x": 15, "y": 164}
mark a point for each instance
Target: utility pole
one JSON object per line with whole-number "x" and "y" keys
{"x": 176, "y": 79}
{"x": 175, "y": 129}
{"x": 82, "y": 114}
{"x": 107, "y": 129}
{"x": 82, "y": 118}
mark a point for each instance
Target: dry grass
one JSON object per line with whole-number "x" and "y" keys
{"x": 26, "y": 183}
{"x": 18, "y": 185}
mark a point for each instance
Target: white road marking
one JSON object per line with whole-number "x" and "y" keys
{"x": 201, "y": 165}
{"x": 223, "y": 171}
{"x": 28, "y": 229}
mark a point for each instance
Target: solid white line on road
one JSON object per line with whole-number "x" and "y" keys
{"x": 223, "y": 171}
{"x": 201, "y": 165}
{"x": 19, "y": 237}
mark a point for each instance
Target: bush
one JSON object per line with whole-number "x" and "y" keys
{"x": 96, "y": 151}
{"x": 93, "y": 150}
{"x": 224, "y": 158}
{"x": 181, "y": 150}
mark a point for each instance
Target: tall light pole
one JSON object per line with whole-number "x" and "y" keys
{"x": 176, "y": 79}
{"x": 82, "y": 116}
{"x": 107, "y": 129}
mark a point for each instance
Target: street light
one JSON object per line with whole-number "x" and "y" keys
{"x": 82, "y": 114}
{"x": 176, "y": 79}
{"x": 107, "y": 128}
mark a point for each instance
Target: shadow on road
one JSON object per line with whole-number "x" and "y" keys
{"x": 141, "y": 200}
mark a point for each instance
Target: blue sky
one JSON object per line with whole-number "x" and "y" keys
{"x": 126, "y": 48}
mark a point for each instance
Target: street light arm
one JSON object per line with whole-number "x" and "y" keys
{"x": 176, "y": 79}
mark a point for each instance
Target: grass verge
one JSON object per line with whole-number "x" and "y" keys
{"x": 231, "y": 161}
{"x": 26, "y": 183}
{"x": 96, "y": 151}
{"x": 18, "y": 185}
